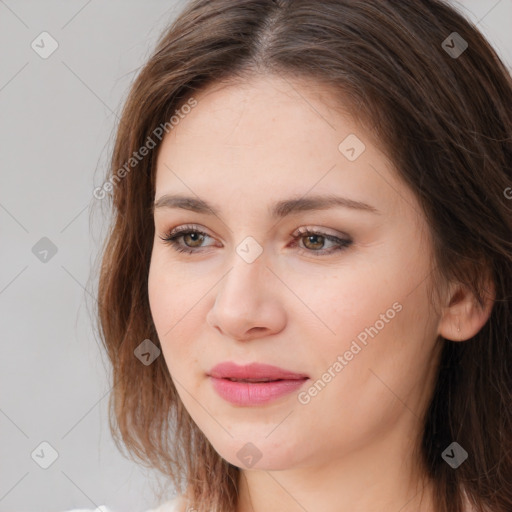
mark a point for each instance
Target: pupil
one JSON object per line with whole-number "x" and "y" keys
{"x": 312, "y": 238}
{"x": 194, "y": 236}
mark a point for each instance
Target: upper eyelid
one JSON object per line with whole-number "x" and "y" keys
{"x": 180, "y": 229}
{"x": 320, "y": 230}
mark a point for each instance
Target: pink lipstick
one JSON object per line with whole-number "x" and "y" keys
{"x": 253, "y": 384}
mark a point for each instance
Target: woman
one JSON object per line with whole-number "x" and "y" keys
{"x": 305, "y": 294}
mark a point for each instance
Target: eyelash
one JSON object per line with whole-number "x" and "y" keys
{"x": 171, "y": 238}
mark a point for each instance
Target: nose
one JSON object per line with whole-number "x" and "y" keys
{"x": 248, "y": 302}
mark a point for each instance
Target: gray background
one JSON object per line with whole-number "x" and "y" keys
{"x": 57, "y": 120}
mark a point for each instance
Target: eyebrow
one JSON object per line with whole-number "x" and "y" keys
{"x": 279, "y": 209}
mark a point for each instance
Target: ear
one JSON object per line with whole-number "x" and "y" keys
{"x": 462, "y": 316}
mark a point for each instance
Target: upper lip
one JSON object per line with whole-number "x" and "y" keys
{"x": 229, "y": 370}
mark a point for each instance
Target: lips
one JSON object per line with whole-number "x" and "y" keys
{"x": 255, "y": 372}
{"x": 254, "y": 384}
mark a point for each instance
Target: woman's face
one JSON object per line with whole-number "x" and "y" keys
{"x": 346, "y": 305}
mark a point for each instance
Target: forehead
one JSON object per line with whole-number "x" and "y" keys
{"x": 267, "y": 112}
{"x": 270, "y": 137}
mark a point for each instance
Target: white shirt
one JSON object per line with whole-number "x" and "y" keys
{"x": 168, "y": 506}
{"x": 173, "y": 505}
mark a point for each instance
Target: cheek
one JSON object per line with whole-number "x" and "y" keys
{"x": 379, "y": 319}
{"x": 175, "y": 308}
{"x": 388, "y": 355}
{"x": 171, "y": 294}
{"x": 340, "y": 307}
{"x": 165, "y": 308}
{"x": 160, "y": 302}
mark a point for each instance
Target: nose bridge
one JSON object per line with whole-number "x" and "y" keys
{"x": 244, "y": 282}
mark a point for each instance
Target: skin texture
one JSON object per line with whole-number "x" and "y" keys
{"x": 350, "y": 448}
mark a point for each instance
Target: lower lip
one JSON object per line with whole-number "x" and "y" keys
{"x": 254, "y": 393}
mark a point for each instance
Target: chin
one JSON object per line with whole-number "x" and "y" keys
{"x": 259, "y": 454}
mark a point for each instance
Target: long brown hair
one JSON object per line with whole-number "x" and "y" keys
{"x": 441, "y": 110}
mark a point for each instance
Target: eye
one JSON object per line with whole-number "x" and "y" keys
{"x": 314, "y": 240}
{"x": 193, "y": 238}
